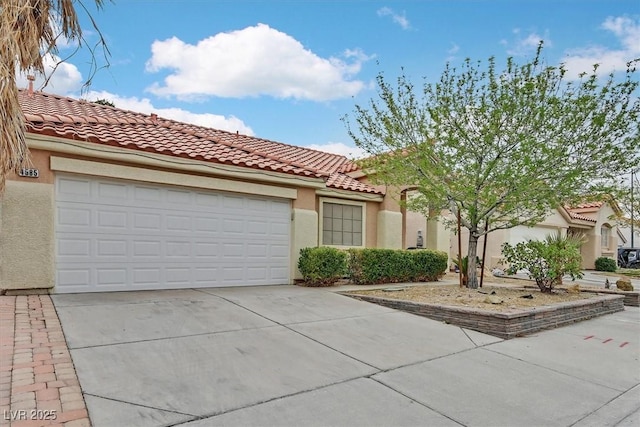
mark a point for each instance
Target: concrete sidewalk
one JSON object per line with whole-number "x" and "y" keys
{"x": 286, "y": 355}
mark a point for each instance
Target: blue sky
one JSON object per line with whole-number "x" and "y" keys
{"x": 288, "y": 70}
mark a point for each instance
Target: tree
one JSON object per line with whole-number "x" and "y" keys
{"x": 31, "y": 29}
{"x": 500, "y": 147}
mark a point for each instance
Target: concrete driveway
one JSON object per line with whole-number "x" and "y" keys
{"x": 286, "y": 355}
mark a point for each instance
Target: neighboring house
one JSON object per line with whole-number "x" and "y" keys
{"x": 624, "y": 236}
{"x": 126, "y": 201}
{"x": 593, "y": 220}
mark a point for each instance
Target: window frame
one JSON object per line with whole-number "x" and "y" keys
{"x": 362, "y": 205}
{"x": 605, "y": 243}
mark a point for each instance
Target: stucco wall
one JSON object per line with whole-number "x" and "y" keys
{"x": 27, "y": 236}
{"x": 414, "y": 222}
{"x": 304, "y": 234}
{"x": 389, "y": 230}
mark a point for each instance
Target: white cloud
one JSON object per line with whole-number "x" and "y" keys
{"x": 339, "y": 148}
{"x": 627, "y": 30}
{"x": 144, "y": 105}
{"x": 526, "y": 44}
{"x": 253, "y": 61}
{"x": 400, "y": 19}
{"x": 64, "y": 77}
{"x": 452, "y": 52}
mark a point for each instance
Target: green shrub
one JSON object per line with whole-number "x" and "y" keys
{"x": 606, "y": 264}
{"x": 322, "y": 266}
{"x": 546, "y": 261}
{"x": 371, "y": 266}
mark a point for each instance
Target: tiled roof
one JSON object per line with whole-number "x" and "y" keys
{"x": 576, "y": 212}
{"x": 80, "y": 120}
{"x": 576, "y": 215}
{"x": 588, "y": 205}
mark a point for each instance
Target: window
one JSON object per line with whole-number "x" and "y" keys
{"x": 605, "y": 235}
{"x": 342, "y": 223}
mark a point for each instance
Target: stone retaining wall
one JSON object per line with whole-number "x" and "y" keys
{"x": 631, "y": 298}
{"x": 507, "y": 325}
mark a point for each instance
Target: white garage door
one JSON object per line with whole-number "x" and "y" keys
{"x": 522, "y": 233}
{"x": 119, "y": 235}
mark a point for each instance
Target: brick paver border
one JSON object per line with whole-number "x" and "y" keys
{"x": 38, "y": 382}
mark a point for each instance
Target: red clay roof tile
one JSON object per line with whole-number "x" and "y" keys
{"x": 70, "y": 118}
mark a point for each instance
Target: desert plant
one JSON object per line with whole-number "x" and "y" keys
{"x": 606, "y": 264}
{"x": 322, "y": 266}
{"x": 465, "y": 267}
{"x": 546, "y": 261}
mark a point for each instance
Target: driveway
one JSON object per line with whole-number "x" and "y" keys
{"x": 286, "y": 355}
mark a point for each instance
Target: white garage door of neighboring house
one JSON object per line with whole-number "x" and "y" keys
{"x": 120, "y": 235}
{"x": 521, "y": 233}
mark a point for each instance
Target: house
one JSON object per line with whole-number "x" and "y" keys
{"x": 118, "y": 200}
{"x": 593, "y": 220}
{"x": 624, "y": 236}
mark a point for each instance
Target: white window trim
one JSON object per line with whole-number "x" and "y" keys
{"x": 363, "y": 205}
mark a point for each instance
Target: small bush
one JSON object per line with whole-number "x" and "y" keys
{"x": 605, "y": 264}
{"x": 546, "y": 261}
{"x": 322, "y": 266}
{"x": 371, "y": 266}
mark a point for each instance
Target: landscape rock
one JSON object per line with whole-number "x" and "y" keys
{"x": 492, "y": 299}
{"x": 624, "y": 284}
{"x": 497, "y": 272}
{"x": 573, "y": 289}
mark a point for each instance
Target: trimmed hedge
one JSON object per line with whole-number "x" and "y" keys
{"x": 372, "y": 266}
{"x": 606, "y": 264}
{"x": 322, "y": 266}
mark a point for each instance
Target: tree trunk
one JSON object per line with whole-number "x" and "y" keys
{"x": 472, "y": 271}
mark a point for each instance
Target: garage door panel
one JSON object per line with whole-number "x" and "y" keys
{"x": 74, "y": 216}
{"x": 119, "y": 235}
{"x": 74, "y": 248}
{"x": 112, "y": 220}
{"x": 145, "y": 276}
{"x": 73, "y": 189}
{"x": 278, "y": 274}
{"x": 147, "y": 194}
{"x": 112, "y": 193}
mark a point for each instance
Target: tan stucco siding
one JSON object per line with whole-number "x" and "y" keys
{"x": 304, "y": 234}
{"x": 371, "y": 226}
{"x": 38, "y": 159}
{"x": 306, "y": 199}
{"x": 389, "y": 229}
{"x": 391, "y": 200}
{"x": 414, "y": 222}
{"x": 84, "y": 167}
{"x": 27, "y": 247}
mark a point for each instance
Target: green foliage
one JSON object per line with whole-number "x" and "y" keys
{"x": 501, "y": 146}
{"x": 465, "y": 267}
{"x": 322, "y": 266}
{"x": 606, "y": 264}
{"x": 104, "y": 102}
{"x": 546, "y": 261}
{"x": 631, "y": 272}
{"x": 370, "y": 266}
